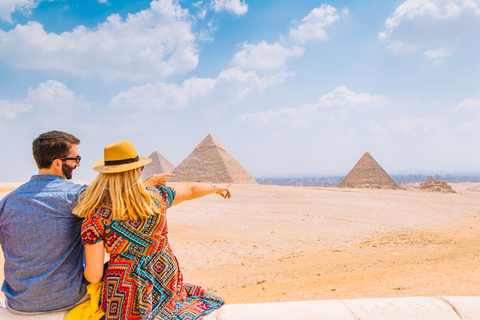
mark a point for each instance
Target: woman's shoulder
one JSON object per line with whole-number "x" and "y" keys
{"x": 103, "y": 211}
{"x": 164, "y": 193}
{"x": 162, "y": 190}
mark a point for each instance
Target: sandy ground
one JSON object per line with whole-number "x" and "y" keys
{"x": 276, "y": 243}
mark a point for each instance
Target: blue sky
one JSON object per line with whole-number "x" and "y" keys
{"x": 287, "y": 87}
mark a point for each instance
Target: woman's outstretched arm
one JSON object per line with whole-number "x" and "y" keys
{"x": 198, "y": 190}
{"x": 95, "y": 255}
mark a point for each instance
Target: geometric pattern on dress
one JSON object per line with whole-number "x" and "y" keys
{"x": 143, "y": 280}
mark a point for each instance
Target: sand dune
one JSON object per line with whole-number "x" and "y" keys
{"x": 276, "y": 243}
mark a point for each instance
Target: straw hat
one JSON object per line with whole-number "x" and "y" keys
{"x": 120, "y": 157}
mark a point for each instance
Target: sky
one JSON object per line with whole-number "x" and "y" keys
{"x": 288, "y": 88}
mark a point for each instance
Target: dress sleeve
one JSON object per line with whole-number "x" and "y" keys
{"x": 167, "y": 194}
{"x": 92, "y": 228}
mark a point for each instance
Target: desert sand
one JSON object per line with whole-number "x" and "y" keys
{"x": 277, "y": 243}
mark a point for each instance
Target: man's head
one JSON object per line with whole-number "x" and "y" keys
{"x": 56, "y": 151}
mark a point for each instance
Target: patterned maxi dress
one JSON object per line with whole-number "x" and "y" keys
{"x": 142, "y": 280}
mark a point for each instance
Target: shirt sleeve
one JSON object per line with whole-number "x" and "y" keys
{"x": 92, "y": 228}
{"x": 167, "y": 194}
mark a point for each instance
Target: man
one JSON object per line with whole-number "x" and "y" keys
{"x": 40, "y": 237}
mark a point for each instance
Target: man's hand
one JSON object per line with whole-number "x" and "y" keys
{"x": 159, "y": 179}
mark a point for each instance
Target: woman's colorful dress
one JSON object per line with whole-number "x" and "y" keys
{"x": 142, "y": 280}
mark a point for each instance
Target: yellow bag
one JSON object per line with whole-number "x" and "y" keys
{"x": 88, "y": 310}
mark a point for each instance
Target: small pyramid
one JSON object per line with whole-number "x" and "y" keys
{"x": 367, "y": 173}
{"x": 433, "y": 184}
{"x": 210, "y": 162}
{"x": 158, "y": 165}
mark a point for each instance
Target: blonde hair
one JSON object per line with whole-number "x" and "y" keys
{"x": 125, "y": 193}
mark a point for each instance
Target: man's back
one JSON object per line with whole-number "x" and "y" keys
{"x": 41, "y": 241}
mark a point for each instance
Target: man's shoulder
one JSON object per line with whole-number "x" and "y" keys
{"x": 70, "y": 185}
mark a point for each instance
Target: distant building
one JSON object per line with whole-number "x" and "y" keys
{"x": 210, "y": 162}
{"x": 367, "y": 173}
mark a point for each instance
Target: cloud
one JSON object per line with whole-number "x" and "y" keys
{"x": 55, "y": 95}
{"x": 290, "y": 117}
{"x": 341, "y": 97}
{"x": 162, "y": 96}
{"x": 467, "y": 105}
{"x": 231, "y": 86}
{"x": 152, "y": 44}
{"x": 46, "y": 96}
{"x": 270, "y": 57}
{"x": 373, "y": 127}
{"x": 7, "y": 7}
{"x": 10, "y": 110}
{"x": 436, "y": 26}
{"x": 438, "y": 55}
{"x": 234, "y": 6}
{"x": 264, "y": 56}
{"x": 329, "y": 107}
{"x": 416, "y": 127}
{"x": 313, "y": 25}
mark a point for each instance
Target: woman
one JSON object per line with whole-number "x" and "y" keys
{"x": 142, "y": 280}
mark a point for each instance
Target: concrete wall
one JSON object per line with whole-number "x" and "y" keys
{"x": 415, "y": 308}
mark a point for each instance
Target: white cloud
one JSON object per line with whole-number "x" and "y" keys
{"x": 313, "y": 25}
{"x": 47, "y": 95}
{"x": 341, "y": 97}
{"x": 152, "y": 44}
{"x": 163, "y": 96}
{"x": 373, "y": 127}
{"x": 264, "y": 56}
{"x": 102, "y": 1}
{"x": 10, "y": 110}
{"x": 438, "y": 55}
{"x": 436, "y": 26}
{"x": 234, "y": 6}
{"x": 289, "y": 117}
{"x": 232, "y": 85}
{"x": 7, "y": 7}
{"x": 467, "y": 128}
{"x": 468, "y": 105}
{"x": 55, "y": 95}
{"x": 304, "y": 117}
{"x": 416, "y": 127}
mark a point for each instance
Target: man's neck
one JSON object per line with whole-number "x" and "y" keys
{"x": 50, "y": 171}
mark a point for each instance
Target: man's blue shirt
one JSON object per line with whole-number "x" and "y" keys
{"x": 40, "y": 237}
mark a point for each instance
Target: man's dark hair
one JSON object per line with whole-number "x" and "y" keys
{"x": 52, "y": 145}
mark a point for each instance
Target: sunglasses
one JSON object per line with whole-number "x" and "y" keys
{"x": 77, "y": 159}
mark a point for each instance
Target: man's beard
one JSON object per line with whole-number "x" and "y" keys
{"x": 67, "y": 171}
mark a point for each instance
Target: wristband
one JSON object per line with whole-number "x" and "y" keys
{"x": 213, "y": 185}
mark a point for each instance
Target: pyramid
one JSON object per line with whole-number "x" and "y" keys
{"x": 367, "y": 173}
{"x": 210, "y": 162}
{"x": 158, "y": 165}
{"x": 433, "y": 184}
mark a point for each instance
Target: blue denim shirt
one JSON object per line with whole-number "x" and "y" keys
{"x": 40, "y": 237}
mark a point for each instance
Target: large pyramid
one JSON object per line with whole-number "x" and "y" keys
{"x": 210, "y": 162}
{"x": 158, "y": 165}
{"x": 367, "y": 173}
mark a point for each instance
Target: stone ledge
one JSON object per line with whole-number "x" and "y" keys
{"x": 411, "y": 308}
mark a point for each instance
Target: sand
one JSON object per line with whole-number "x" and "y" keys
{"x": 277, "y": 243}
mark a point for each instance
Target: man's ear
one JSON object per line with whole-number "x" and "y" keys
{"x": 56, "y": 164}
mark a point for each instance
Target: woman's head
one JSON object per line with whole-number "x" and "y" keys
{"x": 119, "y": 184}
